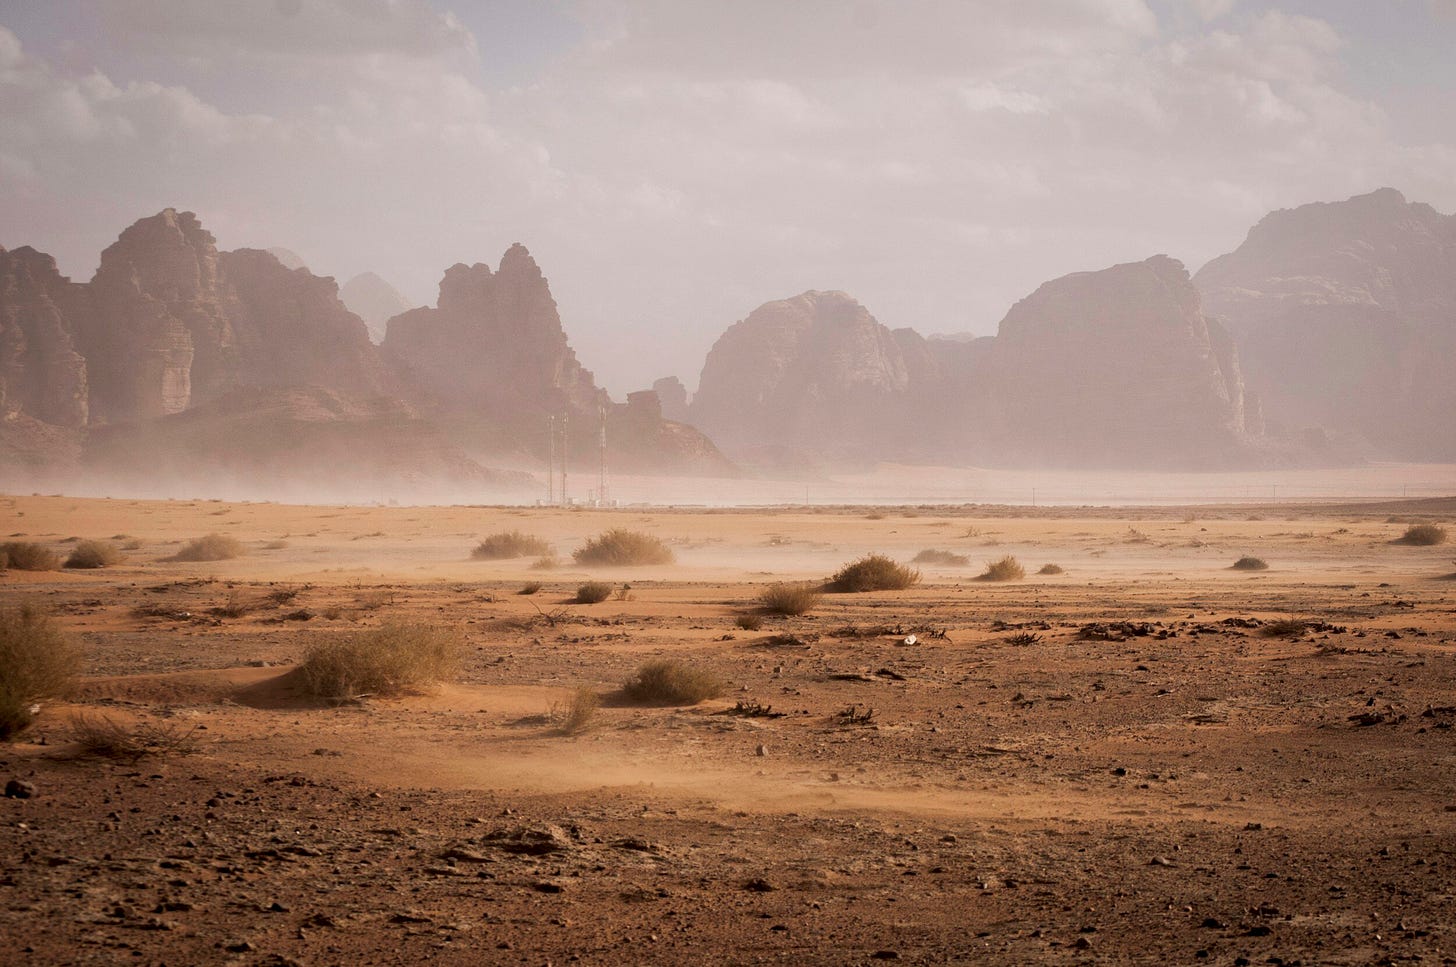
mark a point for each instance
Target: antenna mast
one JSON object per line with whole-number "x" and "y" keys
{"x": 551, "y": 459}
{"x": 602, "y": 468}
{"x": 565, "y": 446}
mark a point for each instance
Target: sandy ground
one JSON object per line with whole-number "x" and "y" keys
{"x": 1150, "y": 776}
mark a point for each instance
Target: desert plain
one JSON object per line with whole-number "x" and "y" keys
{"x": 1149, "y": 757}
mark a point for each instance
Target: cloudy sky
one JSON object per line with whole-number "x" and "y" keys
{"x": 674, "y": 163}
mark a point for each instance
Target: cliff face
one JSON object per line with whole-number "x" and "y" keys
{"x": 1117, "y": 368}
{"x": 41, "y": 373}
{"x": 374, "y": 300}
{"x": 1345, "y": 314}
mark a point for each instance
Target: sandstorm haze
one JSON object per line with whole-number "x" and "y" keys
{"x": 674, "y": 165}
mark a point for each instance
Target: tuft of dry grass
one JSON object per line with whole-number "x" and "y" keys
{"x": 94, "y": 554}
{"x": 27, "y": 556}
{"x": 577, "y": 714}
{"x": 623, "y": 548}
{"x": 530, "y": 587}
{"x": 212, "y": 547}
{"x": 1285, "y": 628}
{"x": 593, "y": 592}
{"x": 748, "y": 622}
{"x": 548, "y": 562}
{"x": 103, "y": 737}
{"x": 874, "y": 572}
{"x": 1050, "y": 569}
{"x": 508, "y": 544}
{"x": 1422, "y": 535}
{"x": 1007, "y": 568}
{"x": 943, "y": 558}
{"x": 37, "y": 662}
{"x": 671, "y": 683}
{"x": 1247, "y": 563}
{"x": 784, "y": 598}
{"x": 395, "y": 658}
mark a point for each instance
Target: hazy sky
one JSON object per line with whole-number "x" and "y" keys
{"x": 674, "y": 163}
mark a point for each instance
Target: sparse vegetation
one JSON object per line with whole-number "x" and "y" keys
{"x": 547, "y": 562}
{"x": 784, "y": 598}
{"x": 94, "y": 554}
{"x": 1007, "y": 568}
{"x": 671, "y": 683}
{"x": 874, "y": 572}
{"x": 530, "y": 587}
{"x": 1050, "y": 569}
{"x": 574, "y": 716}
{"x": 748, "y": 622}
{"x": 1023, "y": 638}
{"x": 389, "y": 660}
{"x": 509, "y": 544}
{"x": 944, "y": 558}
{"x": 28, "y": 556}
{"x": 593, "y": 592}
{"x": 1247, "y": 563}
{"x": 623, "y": 548}
{"x": 212, "y": 547}
{"x": 37, "y": 662}
{"x": 1422, "y": 535}
{"x": 1285, "y": 628}
{"x": 103, "y": 737}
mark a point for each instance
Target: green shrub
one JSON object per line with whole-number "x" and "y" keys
{"x": 94, "y": 554}
{"x": 37, "y": 662}
{"x": 26, "y": 556}
{"x": 1422, "y": 535}
{"x": 789, "y": 599}
{"x": 507, "y": 544}
{"x": 623, "y": 548}
{"x": 874, "y": 572}
{"x": 1250, "y": 564}
{"x": 671, "y": 683}
{"x": 1007, "y": 568}
{"x": 212, "y": 547}
{"x": 593, "y": 592}
{"x": 943, "y": 558}
{"x": 394, "y": 658}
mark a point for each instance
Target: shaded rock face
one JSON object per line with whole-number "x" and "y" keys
{"x": 1345, "y": 315}
{"x": 816, "y": 372}
{"x": 374, "y": 300}
{"x": 1117, "y": 368}
{"x": 673, "y": 396}
{"x": 41, "y": 373}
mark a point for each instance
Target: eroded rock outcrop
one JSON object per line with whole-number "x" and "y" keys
{"x": 41, "y": 373}
{"x": 1345, "y": 315}
{"x": 374, "y": 300}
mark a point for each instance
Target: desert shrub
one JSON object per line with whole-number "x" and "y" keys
{"x": 510, "y": 544}
{"x": 530, "y": 587}
{"x": 1422, "y": 535}
{"x": 37, "y": 661}
{"x": 1247, "y": 563}
{"x": 394, "y": 658}
{"x": 1285, "y": 628}
{"x": 623, "y": 548}
{"x": 748, "y": 622}
{"x": 874, "y": 572}
{"x": 574, "y": 716}
{"x": 593, "y": 592}
{"x": 671, "y": 683}
{"x": 548, "y": 562}
{"x": 944, "y": 558}
{"x": 212, "y": 547}
{"x": 1007, "y": 568}
{"x": 93, "y": 554}
{"x": 1050, "y": 569}
{"x": 786, "y": 599}
{"x": 26, "y": 556}
{"x": 103, "y": 737}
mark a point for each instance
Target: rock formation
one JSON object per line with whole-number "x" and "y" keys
{"x": 41, "y": 373}
{"x": 1345, "y": 314}
{"x": 672, "y": 395}
{"x": 374, "y": 300}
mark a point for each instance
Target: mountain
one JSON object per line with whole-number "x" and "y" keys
{"x": 287, "y": 257}
{"x": 1345, "y": 315}
{"x": 374, "y": 300}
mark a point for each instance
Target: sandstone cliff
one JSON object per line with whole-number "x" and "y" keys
{"x": 374, "y": 300}
{"x": 1345, "y": 314}
{"x": 41, "y": 373}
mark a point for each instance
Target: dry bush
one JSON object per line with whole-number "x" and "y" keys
{"x": 874, "y": 572}
{"x": 1285, "y": 628}
{"x": 1422, "y": 535}
{"x": 37, "y": 661}
{"x": 623, "y": 548}
{"x": 26, "y": 556}
{"x": 748, "y": 622}
{"x": 101, "y": 736}
{"x": 1050, "y": 569}
{"x": 671, "y": 683}
{"x": 1007, "y": 568}
{"x": 94, "y": 554}
{"x": 212, "y": 547}
{"x": 575, "y": 715}
{"x": 1247, "y": 563}
{"x": 394, "y": 658}
{"x": 789, "y": 599}
{"x": 507, "y": 544}
{"x": 546, "y": 563}
{"x": 944, "y": 558}
{"x": 593, "y": 592}
{"x": 530, "y": 587}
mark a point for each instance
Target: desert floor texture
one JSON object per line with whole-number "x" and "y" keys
{"x": 1141, "y": 759}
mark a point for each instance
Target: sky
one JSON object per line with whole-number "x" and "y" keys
{"x": 673, "y": 164}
